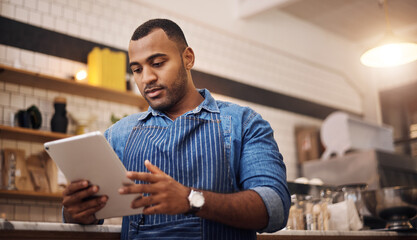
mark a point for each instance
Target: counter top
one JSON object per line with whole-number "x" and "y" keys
{"x": 339, "y": 233}
{"x": 65, "y": 227}
{"x": 43, "y": 230}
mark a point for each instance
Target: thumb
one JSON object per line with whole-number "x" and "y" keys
{"x": 152, "y": 168}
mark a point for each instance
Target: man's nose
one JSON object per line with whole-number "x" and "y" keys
{"x": 148, "y": 75}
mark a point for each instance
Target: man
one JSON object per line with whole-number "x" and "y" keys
{"x": 207, "y": 169}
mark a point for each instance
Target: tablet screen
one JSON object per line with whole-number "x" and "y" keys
{"x": 90, "y": 157}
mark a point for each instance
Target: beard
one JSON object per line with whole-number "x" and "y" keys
{"x": 173, "y": 93}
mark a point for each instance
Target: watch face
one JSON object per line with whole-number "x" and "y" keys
{"x": 197, "y": 199}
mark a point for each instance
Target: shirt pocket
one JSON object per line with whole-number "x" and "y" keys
{"x": 188, "y": 228}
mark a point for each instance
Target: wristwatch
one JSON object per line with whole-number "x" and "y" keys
{"x": 196, "y": 200}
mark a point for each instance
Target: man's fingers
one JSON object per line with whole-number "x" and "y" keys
{"x": 142, "y": 176}
{"x": 88, "y": 216}
{"x": 152, "y": 168}
{"x": 75, "y": 187}
{"x": 144, "y": 201}
{"x": 84, "y": 212}
{"x": 152, "y": 210}
{"x": 139, "y": 188}
{"x": 79, "y": 196}
{"x": 93, "y": 203}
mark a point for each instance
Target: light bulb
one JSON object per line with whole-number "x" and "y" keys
{"x": 389, "y": 55}
{"x": 81, "y": 75}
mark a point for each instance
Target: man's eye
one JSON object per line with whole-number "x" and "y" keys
{"x": 157, "y": 64}
{"x": 137, "y": 70}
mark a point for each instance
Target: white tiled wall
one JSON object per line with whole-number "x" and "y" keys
{"x": 16, "y": 97}
{"x": 217, "y": 52}
{"x": 30, "y": 210}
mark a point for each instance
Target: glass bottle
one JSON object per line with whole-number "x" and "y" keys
{"x": 59, "y": 121}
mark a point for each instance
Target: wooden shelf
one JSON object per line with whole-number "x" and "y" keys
{"x": 30, "y": 135}
{"x": 30, "y": 195}
{"x": 27, "y": 78}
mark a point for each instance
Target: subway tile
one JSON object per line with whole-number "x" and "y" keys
{"x": 3, "y": 201}
{"x": 113, "y": 221}
{"x": 92, "y": 20}
{"x": 41, "y": 60}
{"x": 7, "y": 10}
{"x": 108, "y": 11}
{"x": 39, "y": 92}
{"x": 21, "y": 212}
{"x": 73, "y": 28}
{"x": 69, "y": 14}
{"x": 3, "y": 51}
{"x": 4, "y": 98}
{"x": 26, "y": 90}
{"x": 54, "y": 62}
{"x": 14, "y": 201}
{"x": 25, "y": 146}
{"x": 46, "y": 120}
{"x": 35, "y": 18}
{"x": 46, "y": 71}
{"x": 50, "y": 214}
{"x": 1, "y": 116}
{"x": 97, "y": 35}
{"x": 80, "y": 16}
{"x": 91, "y": 102}
{"x": 97, "y": 9}
{"x": 22, "y": 14}
{"x": 85, "y": 5}
{"x": 56, "y": 9}
{"x": 36, "y": 213}
{"x": 12, "y": 53}
{"x": 66, "y": 68}
{"x": 59, "y": 214}
{"x": 63, "y": 2}
{"x": 17, "y": 101}
{"x": 29, "y": 101}
{"x": 45, "y": 106}
{"x": 75, "y": 3}
{"x": 79, "y": 100}
{"x": 27, "y": 58}
{"x": 36, "y": 148}
{"x": 12, "y": 87}
{"x": 44, "y": 6}
{"x": 33, "y": 4}
{"x": 51, "y": 95}
{"x": 8, "y": 116}
{"x": 17, "y": 3}
{"x": 48, "y": 21}
{"x": 7, "y": 211}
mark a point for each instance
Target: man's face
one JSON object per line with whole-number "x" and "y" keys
{"x": 158, "y": 69}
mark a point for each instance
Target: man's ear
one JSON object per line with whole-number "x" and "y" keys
{"x": 188, "y": 58}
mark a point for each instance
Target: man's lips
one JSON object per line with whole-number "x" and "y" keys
{"x": 153, "y": 92}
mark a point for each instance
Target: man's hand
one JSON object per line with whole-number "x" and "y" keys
{"x": 244, "y": 209}
{"x": 164, "y": 194}
{"x": 78, "y": 207}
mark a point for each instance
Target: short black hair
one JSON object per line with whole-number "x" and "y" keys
{"x": 171, "y": 29}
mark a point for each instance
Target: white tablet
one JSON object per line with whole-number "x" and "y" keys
{"x": 90, "y": 156}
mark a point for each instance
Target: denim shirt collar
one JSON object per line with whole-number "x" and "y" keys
{"x": 209, "y": 104}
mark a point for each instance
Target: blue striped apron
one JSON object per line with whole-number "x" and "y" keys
{"x": 190, "y": 150}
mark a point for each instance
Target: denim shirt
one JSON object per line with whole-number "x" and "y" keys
{"x": 253, "y": 153}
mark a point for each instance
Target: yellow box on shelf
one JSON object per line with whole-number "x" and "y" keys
{"x": 107, "y": 69}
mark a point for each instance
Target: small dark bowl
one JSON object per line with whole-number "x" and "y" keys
{"x": 395, "y": 205}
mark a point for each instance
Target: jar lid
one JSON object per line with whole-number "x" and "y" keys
{"x": 60, "y": 100}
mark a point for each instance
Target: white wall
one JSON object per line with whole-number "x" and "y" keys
{"x": 273, "y": 51}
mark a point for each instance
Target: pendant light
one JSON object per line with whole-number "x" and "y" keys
{"x": 391, "y": 50}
